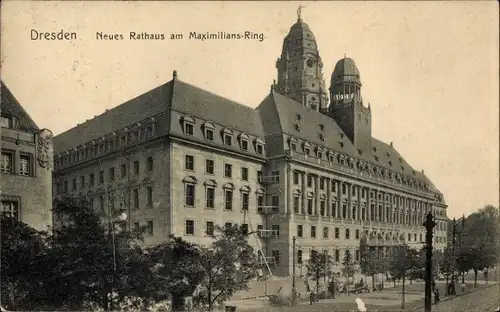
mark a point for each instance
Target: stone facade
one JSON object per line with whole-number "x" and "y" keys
{"x": 26, "y": 165}
{"x": 294, "y": 166}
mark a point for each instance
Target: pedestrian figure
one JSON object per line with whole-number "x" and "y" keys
{"x": 463, "y": 287}
{"x": 433, "y": 285}
{"x": 436, "y": 296}
{"x": 311, "y": 297}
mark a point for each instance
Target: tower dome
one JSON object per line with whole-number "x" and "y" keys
{"x": 346, "y": 70}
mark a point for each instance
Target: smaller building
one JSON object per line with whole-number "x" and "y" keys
{"x": 25, "y": 165}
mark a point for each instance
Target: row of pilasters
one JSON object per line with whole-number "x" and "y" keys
{"x": 375, "y": 205}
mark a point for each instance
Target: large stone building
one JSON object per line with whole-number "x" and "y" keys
{"x": 180, "y": 159}
{"x": 26, "y": 165}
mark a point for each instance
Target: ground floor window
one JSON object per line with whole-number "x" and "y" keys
{"x": 10, "y": 209}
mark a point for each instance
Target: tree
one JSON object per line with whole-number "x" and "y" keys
{"x": 179, "y": 265}
{"x": 403, "y": 261}
{"x": 23, "y": 268}
{"x": 96, "y": 256}
{"x": 370, "y": 262}
{"x": 319, "y": 266}
{"x": 349, "y": 268}
{"x": 229, "y": 264}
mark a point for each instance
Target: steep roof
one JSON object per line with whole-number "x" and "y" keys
{"x": 287, "y": 114}
{"x": 202, "y": 104}
{"x": 10, "y": 106}
{"x": 175, "y": 95}
{"x": 139, "y": 108}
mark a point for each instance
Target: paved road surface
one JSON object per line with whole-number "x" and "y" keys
{"x": 486, "y": 300}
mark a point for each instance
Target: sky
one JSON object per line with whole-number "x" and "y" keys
{"x": 429, "y": 69}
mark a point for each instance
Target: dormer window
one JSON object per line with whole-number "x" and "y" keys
{"x": 321, "y": 137}
{"x": 376, "y": 158}
{"x": 227, "y": 137}
{"x": 188, "y": 125}
{"x": 360, "y": 152}
{"x": 244, "y": 145}
{"x": 148, "y": 131}
{"x": 260, "y": 149}
{"x": 208, "y": 131}
{"x": 293, "y": 146}
{"x": 307, "y": 150}
{"x": 188, "y": 129}
{"x": 331, "y": 158}
{"x": 299, "y": 117}
{"x": 5, "y": 122}
{"x": 321, "y": 127}
{"x": 341, "y": 144}
{"x": 374, "y": 149}
{"x": 319, "y": 154}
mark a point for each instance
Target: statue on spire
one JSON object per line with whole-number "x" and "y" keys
{"x": 299, "y": 12}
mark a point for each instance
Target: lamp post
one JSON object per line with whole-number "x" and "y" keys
{"x": 294, "y": 289}
{"x": 429, "y": 226}
{"x": 210, "y": 254}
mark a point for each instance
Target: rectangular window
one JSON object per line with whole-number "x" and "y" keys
{"x": 244, "y": 229}
{"x": 300, "y": 230}
{"x": 244, "y": 145}
{"x": 325, "y": 232}
{"x": 148, "y": 131}
{"x": 260, "y": 149}
{"x": 357, "y": 255}
{"x": 309, "y": 206}
{"x": 244, "y": 174}
{"x": 276, "y": 176}
{"x": 228, "y": 198}
{"x": 344, "y": 189}
{"x": 276, "y": 229}
{"x": 101, "y": 177}
{"x": 228, "y": 225}
{"x": 299, "y": 256}
{"x": 82, "y": 181}
{"x": 210, "y": 134}
{"x": 210, "y": 197}
{"x": 309, "y": 181}
{"x": 209, "y": 166}
{"x": 149, "y": 192}
{"x": 73, "y": 185}
{"x": 112, "y": 174}
{"x": 347, "y": 234}
{"x": 123, "y": 170}
{"x": 10, "y": 209}
{"x": 92, "y": 179}
{"x": 322, "y": 184}
{"x": 58, "y": 188}
{"x": 209, "y": 228}
{"x": 189, "y": 227}
{"x": 296, "y": 178}
{"x": 276, "y": 256}
{"x": 275, "y": 201}
{"x": 357, "y": 233}
{"x": 7, "y": 165}
{"x": 65, "y": 186}
{"x": 296, "y": 203}
{"x": 228, "y": 170}
{"x": 228, "y": 140}
{"x": 189, "y": 163}
{"x": 260, "y": 200}
{"x": 188, "y": 129}
{"x": 337, "y": 233}
{"x": 322, "y": 207}
{"x": 136, "y": 199}
{"x": 149, "y": 163}
{"x": 313, "y": 231}
{"x": 136, "y": 167}
{"x": 25, "y": 165}
{"x": 293, "y": 146}
{"x": 101, "y": 203}
{"x": 150, "y": 229}
{"x": 244, "y": 201}
{"x": 190, "y": 195}
{"x": 337, "y": 255}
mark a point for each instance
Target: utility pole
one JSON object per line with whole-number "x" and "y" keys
{"x": 294, "y": 289}
{"x": 429, "y": 227}
{"x": 462, "y": 243}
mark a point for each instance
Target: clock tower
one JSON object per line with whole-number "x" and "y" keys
{"x": 300, "y": 75}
